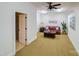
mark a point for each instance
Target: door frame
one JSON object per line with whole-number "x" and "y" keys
{"x": 15, "y": 27}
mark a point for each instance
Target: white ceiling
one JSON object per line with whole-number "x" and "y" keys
{"x": 44, "y": 4}
{"x": 65, "y": 5}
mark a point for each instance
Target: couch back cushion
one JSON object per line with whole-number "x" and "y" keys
{"x": 52, "y": 27}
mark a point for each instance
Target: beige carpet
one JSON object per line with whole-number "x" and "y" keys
{"x": 60, "y": 46}
{"x": 19, "y": 46}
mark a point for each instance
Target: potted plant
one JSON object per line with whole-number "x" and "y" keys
{"x": 64, "y": 27}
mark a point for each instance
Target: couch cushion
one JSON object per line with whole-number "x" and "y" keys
{"x": 52, "y": 28}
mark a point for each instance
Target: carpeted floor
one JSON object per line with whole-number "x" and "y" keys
{"x": 60, "y": 46}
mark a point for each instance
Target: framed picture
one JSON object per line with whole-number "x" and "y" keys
{"x": 53, "y": 22}
{"x": 73, "y": 22}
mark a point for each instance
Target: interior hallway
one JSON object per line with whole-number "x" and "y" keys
{"x": 60, "y": 46}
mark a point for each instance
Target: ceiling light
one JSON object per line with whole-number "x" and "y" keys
{"x": 43, "y": 11}
{"x": 59, "y": 10}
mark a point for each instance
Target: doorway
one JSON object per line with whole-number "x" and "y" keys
{"x": 20, "y": 30}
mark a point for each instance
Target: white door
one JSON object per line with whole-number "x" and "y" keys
{"x": 22, "y": 29}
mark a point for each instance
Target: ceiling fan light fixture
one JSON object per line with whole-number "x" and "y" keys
{"x": 59, "y": 10}
{"x": 43, "y": 11}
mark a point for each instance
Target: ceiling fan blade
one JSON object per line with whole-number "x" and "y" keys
{"x": 47, "y": 6}
{"x": 56, "y": 5}
{"x": 49, "y": 2}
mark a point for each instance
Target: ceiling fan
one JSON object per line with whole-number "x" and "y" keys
{"x": 50, "y": 6}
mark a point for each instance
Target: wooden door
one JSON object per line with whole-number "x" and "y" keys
{"x": 22, "y": 28}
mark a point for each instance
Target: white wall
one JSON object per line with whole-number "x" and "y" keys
{"x": 38, "y": 20}
{"x": 7, "y": 25}
{"x": 45, "y": 18}
{"x": 74, "y": 34}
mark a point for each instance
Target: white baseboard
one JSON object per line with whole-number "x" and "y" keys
{"x": 32, "y": 40}
{"x": 74, "y": 45}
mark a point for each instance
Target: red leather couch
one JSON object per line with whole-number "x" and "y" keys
{"x": 55, "y": 29}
